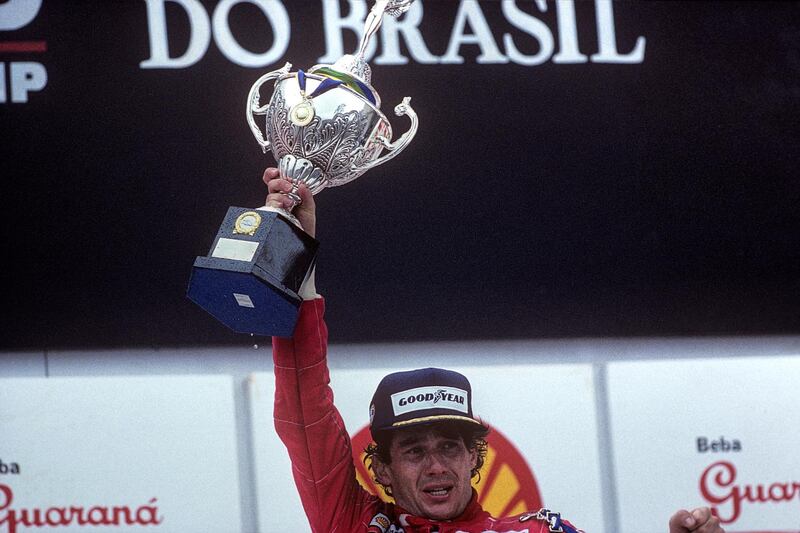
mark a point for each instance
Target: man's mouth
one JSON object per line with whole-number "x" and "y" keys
{"x": 438, "y": 492}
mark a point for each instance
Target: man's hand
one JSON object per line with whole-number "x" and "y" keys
{"x": 699, "y": 520}
{"x": 305, "y": 212}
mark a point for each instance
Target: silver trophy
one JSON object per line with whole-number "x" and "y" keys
{"x": 324, "y": 128}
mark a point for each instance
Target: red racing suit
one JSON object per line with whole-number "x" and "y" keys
{"x": 320, "y": 450}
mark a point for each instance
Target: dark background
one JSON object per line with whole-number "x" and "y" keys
{"x": 658, "y": 198}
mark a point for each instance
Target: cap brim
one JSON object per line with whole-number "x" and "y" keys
{"x": 433, "y": 419}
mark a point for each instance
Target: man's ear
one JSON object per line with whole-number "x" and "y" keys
{"x": 473, "y": 458}
{"x": 383, "y": 474}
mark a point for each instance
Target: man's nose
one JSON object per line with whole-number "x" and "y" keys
{"x": 434, "y": 463}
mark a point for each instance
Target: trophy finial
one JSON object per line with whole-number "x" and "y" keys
{"x": 394, "y": 8}
{"x": 356, "y": 64}
{"x": 398, "y": 7}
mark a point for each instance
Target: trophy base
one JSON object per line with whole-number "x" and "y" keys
{"x": 252, "y": 276}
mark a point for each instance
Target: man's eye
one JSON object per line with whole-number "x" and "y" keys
{"x": 449, "y": 447}
{"x": 414, "y": 451}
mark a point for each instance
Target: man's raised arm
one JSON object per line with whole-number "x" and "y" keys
{"x": 305, "y": 417}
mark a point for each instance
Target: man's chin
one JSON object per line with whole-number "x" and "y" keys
{"x": 442, "y": 510}
{"x": 441, "y": 515}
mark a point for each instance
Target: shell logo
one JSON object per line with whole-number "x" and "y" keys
{"x": 507, "y": 486}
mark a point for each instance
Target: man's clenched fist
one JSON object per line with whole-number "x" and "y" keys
{"x": 699, "y": 520}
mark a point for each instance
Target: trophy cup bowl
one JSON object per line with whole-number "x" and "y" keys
{"x": 324, "y": 128}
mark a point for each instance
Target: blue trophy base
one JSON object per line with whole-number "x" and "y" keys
{"x": 250, "y": 282}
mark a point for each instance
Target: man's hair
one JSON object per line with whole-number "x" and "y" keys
{"x": 472, "y": 435}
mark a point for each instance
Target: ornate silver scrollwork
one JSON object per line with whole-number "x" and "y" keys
{"x": 336, "y": 145}
{"x": 342, "y": 131}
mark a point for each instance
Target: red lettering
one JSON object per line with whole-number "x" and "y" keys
{"x": 718, "y": 486}
{"x": 780, "y": 492}
{"x": 65, "y": 516}
{"x": 126, "y": 514}
{"x": 755, "y": 494}
{"x": 31, "y": 517}
{"x": 60, "y": 521}
{"x": 721, "y": 475}
{"x": 97, "y": 516}
{"x": 8, "y": 497}
{"x": 8, "y": 517}
{"x": 78, "y": 511}
{"x": 151, "y": 514}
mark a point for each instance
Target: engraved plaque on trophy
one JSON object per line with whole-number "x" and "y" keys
{"x": 324, "y": 128}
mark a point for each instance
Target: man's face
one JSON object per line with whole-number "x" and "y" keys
{"x": 430, "y": 472}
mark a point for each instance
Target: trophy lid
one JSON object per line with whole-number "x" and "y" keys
{"x": 352, "y": 69}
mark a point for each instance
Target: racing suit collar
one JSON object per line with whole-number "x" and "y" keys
{"x": 471, "y": 514}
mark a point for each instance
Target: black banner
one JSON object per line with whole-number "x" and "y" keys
{"x": 581, "y": 168}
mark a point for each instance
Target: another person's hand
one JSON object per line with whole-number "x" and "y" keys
{"x": 699, "y": 520}
{"x": 305, "y": 212}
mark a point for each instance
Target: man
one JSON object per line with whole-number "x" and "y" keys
{"x": 428, "y": 447}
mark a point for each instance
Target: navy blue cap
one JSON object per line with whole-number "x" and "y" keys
{"x": 422, "y": 396}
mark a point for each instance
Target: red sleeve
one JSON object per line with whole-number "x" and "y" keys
{"x": 312, "y": 429}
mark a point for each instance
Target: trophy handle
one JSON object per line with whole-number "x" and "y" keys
{"x": 253, "y": 107}
{"x": 403, "y": 108}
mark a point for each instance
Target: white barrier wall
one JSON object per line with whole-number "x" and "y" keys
{"x": 552, "y": 401}
{"x": 132, "y": 453}
{"x": 723, "y": 433}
